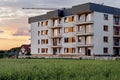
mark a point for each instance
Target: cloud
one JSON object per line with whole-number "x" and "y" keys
{"x": 23, "y": 31}
{"x": 1, "y": 31}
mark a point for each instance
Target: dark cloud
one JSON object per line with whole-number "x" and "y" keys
{"x": 1, "y": 31}
{"x": 23, "y": 31}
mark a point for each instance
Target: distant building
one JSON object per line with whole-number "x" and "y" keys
{"x": 24, "y": 50}
{"x": 86, "y": 29}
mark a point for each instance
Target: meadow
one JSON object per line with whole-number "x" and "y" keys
{"x": 59, "y": 69}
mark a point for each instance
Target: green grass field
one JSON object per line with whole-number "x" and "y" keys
{"x": 59, "y": 69}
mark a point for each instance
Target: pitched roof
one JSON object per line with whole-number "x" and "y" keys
{"x": 26, "y": 47}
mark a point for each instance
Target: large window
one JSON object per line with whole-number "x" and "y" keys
{"x": 44, "y": 50}
{"x": 44, "y": 41}
{"x": 88, "y": 28}
{"x": 80, "y": 28}
{"x": 105, "y": 27}
{"x": 79, "y": 50}
{"x": 55, "y": 22}
{"x": 88, "y": 17}
{"x": 44, "y": 32}
{"x": 56, "y": 32}
{"x": 105, "y": 39}
{"x": 69, "y": 29}
{"x": 44, "y": 23}
{"x": 69, "y": 50}
{"x": 69, "y": 19}
{"x": 88, "y": 40}
{"x": 69, "y": 39}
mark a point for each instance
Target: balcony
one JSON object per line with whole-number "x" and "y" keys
{"x": 56, "y": 46}
{"x": 84, "y": 22}
{"x": 84, "y": 45}
{"x": 84, "y": 34}
{"x": 56, "y": 36}
{"x": 116, "y": 36}
{"x": 116, "y": 46}
{"x": 55, "y": 26}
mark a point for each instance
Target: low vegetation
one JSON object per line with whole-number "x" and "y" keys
{"x": 59, "y": 69}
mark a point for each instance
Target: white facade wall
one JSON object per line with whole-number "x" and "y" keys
{"x": 99, "y": 33}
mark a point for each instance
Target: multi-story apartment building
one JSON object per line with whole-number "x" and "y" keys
{"x": 87, "y": 29}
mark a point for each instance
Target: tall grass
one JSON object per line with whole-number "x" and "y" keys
{"x": 58, "y": 69}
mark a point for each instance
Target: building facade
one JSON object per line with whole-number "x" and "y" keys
{"x": 86, "y": 29}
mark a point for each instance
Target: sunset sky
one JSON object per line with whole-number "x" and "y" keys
{"x": 14, "y": 27}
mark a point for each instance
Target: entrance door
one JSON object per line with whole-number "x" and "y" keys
{"x": 116, "y": 51}
{"x": 87, "y": 52}
{"x": 54, "y": 51}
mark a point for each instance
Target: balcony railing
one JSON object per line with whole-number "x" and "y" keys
{"x": 116, "y": 36}
{"x": 84, "y": 45}
{"x": 84, "y": 34}
{"x": 56, "y": 36}
{"x": 55, "y": 26}
{"x": 56, "y": 45}
{"x": 84, "y": 22}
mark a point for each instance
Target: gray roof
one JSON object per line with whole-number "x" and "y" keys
{"x": 78, "y": 9}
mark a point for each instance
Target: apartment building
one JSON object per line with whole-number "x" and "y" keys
{"x": 86, "y": 29}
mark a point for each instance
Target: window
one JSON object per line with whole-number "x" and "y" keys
{"x": 88, "y": 17}
{"x": 44, "y": 32}
{"x": 41, "y": 23}
{"x": 88, "y": 28}
{"x": 69, "y": 50}
{"x": 79, "y": 18}
{"x": 38, "y": 41}
{"x": 44, "y": 41}
{"x": 69, "y": 40}
{"x": 105, "y": 39}
{"x": 45, "y": 23}
{"x": 44, "y": 50}
{"x": 69, "y": 29}
{"x": 73, "y": 39}
{"x": 55, "y": 22}
{"x": 105, "y": 28}
{"x": 59, "y": 21}
{"x": 38, "y": 33}
{"x": 66, "y": 40}
{"x": 79, "y": 50}
{"x": 65, "y": 30}
{"x": 38, "y": 50}
{"x": 38, "y": 24}
{"x": 105, "y": 16}
{"x": 116, "y": 41}
{"x": 88, "y": 40}
{"x": 116, "y": 20}
{"x": 79, "y": 39}
{"x": 79, "y": 28}
{"x": 69, "y": 19}
{"x": 116, "y": 31}
{"x": 65, "y": 19}
{"x": 105, "y": 50}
